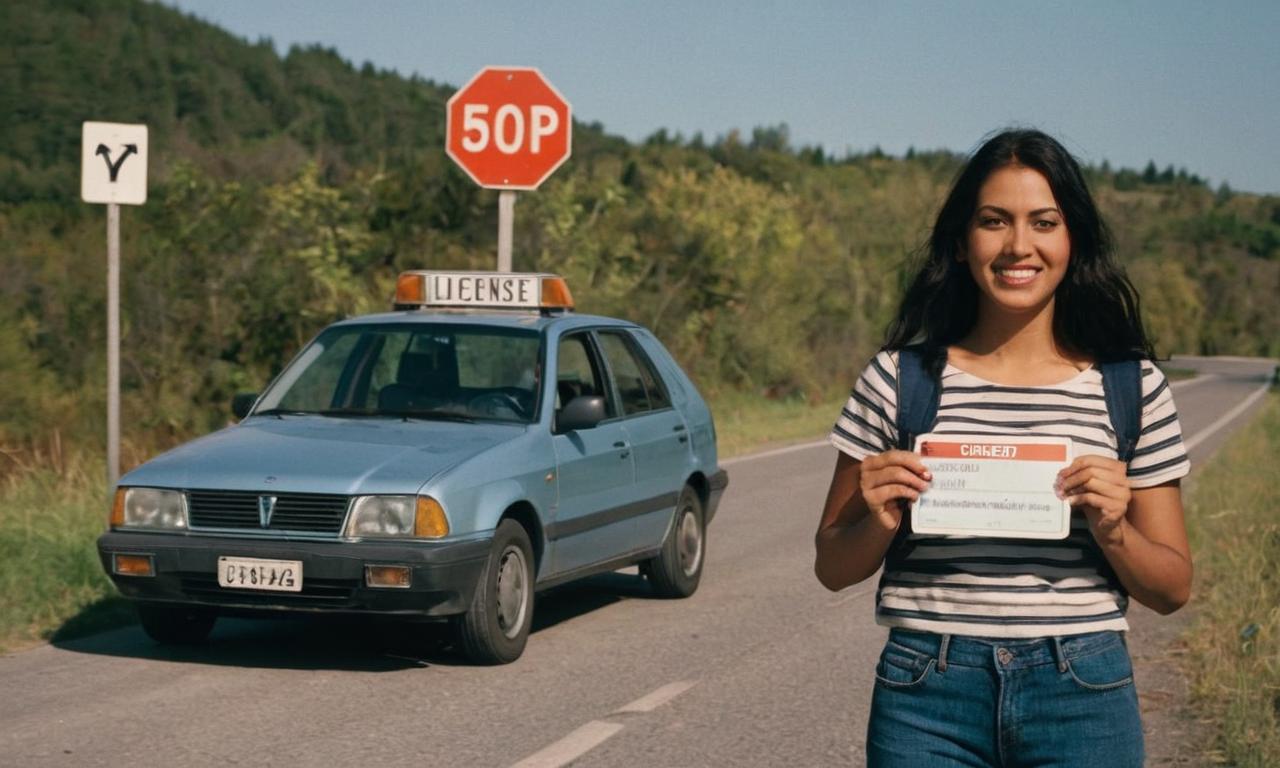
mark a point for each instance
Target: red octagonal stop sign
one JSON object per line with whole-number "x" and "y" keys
{"x": 508, "y": 128}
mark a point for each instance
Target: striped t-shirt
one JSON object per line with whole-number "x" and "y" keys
{"x": 1004, "y": 587}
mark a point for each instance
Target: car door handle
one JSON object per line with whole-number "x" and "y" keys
{"x": 619, "y": 444}
{"x": 680, "y": 428}
{"x": 622, "y": 444}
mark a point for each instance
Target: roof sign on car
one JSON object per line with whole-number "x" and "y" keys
{"x": 482, "y": 290}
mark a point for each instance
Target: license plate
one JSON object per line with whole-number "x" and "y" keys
{"x": 254, "y": 573}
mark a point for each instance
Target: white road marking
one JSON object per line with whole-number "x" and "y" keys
{"x": 1189, "y": 383}
{"x": 1224, "y": 358}
{"x": 596, "y": 732}
{"x": 774, "y": 452}
{"x": 571, "y": 747}
{"x": 1226, "y": 418}
{"x": 652, "y": 701}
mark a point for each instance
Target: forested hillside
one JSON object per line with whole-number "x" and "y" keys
{"x": 288, "y": 191}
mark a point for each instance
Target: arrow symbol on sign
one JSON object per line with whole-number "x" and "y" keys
{"x": 114, "y": 168}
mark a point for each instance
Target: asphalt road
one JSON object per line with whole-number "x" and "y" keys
{"x": 761, "y": 667}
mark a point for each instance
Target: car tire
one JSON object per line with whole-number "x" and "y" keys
{"x": 677, "y": 569}
{"x": 176, "y": 624}
{"x": 495, "y": 627}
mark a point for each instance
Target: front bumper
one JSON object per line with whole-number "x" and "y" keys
{"x": 444, "y": 575}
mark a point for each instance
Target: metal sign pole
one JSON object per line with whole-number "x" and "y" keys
{"x": 113, "y": 170}
{"x": 506, "y": 221}
{"x": 113, "y": 344}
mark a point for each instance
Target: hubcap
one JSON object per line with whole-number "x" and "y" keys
{"x": 689, "y": 542}
{"x": 513, "y": 591}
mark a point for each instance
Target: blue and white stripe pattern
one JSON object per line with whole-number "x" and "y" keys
{"x": 992, "y": 587}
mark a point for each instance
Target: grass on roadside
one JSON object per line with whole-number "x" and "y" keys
{"x": 1234, "y": 659}
{"x": 747, "y": 422}
{"x": 49, "y": 571}
{"x": 1177, "y": 374}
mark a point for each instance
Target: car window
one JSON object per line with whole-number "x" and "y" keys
{"x": 486, "y": 362}
{"x": 385, "y": 367}
{"x": 315, "y": 391}
{"x": 638, "y": 384}
{"x": 578, "y": 373}
{"x": 669, "y": 371}
{"x": 435, "y": 371}
{"x": 659, "y": 397}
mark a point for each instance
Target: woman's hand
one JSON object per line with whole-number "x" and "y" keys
{"x": 1100, "y": 486}
{"x": 862, "y": 514}
{"x": 1140, "y": 531}
{"x": 888, "y": 481}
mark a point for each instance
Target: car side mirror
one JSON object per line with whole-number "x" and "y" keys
{"x": 242, "y": 402}
{"x": 582, "y": 412}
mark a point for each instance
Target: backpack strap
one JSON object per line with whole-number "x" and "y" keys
{"x": 1122, "y": 388}
{"x": 918, "y": 395}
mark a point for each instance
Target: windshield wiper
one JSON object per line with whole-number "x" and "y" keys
{"x": 430, "y": 415}
{"x": 280, "y": 412}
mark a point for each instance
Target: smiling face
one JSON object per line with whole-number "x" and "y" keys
{"x": 1017, "y": 246}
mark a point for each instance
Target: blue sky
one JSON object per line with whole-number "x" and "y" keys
{"x": 1181, "y": 83}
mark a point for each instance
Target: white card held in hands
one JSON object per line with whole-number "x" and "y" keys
{"x": 993, "y": 485}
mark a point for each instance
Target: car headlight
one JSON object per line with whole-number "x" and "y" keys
{"x": 149, "y": 508}
{"x": 397, "y": 516}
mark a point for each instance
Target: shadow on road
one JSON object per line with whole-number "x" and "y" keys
{"x": 577, "y": 598}
{"x": 345, "y": 643}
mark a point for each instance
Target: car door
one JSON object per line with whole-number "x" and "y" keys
{"x": 658, "y": 434}
{"x": 595, "y": 468}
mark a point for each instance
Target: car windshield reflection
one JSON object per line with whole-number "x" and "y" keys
{"x": 421, "y": 371}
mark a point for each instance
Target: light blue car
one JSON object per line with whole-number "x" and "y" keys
{"x": 443, "y": 461}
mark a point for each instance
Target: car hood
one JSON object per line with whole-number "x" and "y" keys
{"x": 321, "y": 454}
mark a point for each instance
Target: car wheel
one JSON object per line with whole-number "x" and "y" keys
{"x": 176, "y": 624}
{"x": 677, "y": 569}
{"x": 495, "y": 627}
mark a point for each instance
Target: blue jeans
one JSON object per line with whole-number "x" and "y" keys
{"x": 947, "y": 700}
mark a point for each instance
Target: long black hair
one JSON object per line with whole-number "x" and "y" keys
{"x": 1095, "y": 306}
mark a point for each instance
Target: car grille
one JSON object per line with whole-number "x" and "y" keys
{"x": 304, "y": 512}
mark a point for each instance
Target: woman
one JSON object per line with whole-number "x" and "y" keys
{"x": 1006, "y": 651}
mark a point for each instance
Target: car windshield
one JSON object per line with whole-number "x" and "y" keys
{"x": 444, "y": 372}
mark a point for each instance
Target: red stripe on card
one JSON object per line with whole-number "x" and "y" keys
{"x": 938, "y": 449}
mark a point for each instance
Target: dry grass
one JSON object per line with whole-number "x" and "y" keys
{"x": 1177, "y": 374}
{"x": 1234, "y": 659}
{"x": 51, "y": 513}
{"x": 745, "y": 423}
